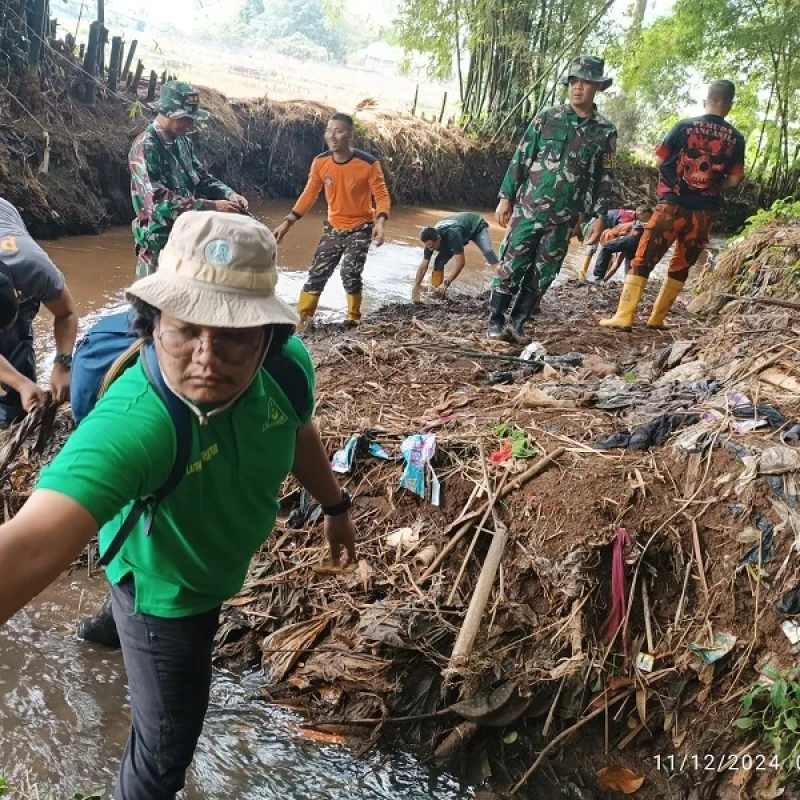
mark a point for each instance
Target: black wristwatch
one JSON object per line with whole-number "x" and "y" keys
{"x": 65, "y": 359}
{"x": 345, "y": 504}
{"x": 447, "y": 283}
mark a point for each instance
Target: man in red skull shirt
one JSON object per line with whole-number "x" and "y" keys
{"x": 698, "y": 158}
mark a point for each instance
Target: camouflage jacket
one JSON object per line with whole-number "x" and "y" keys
{"x": 562, "y": 167}
{"x": 166, "y": 180}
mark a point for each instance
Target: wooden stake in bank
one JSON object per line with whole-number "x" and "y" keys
{"x": 462, "y": 649}
{"x": 113, "y": 67}
{"x": 129, "y": 59}
{"x": 151, "y": 87}
{"x": 137, "y": 78}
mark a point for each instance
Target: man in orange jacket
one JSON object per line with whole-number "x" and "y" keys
{"x": 352, "y": 180}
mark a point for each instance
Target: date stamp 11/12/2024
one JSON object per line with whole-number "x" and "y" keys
{"x": 711, "y": 762}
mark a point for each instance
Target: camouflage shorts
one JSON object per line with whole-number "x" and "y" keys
{"x": 531, "y": 253}
{"x": 346, "y": 249}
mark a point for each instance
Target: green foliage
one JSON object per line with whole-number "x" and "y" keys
{"x": 755, "y": 43}
{"x": 781, "y": 211}
{"x": 137, "y": 109}
{"x": 508, "y": 57}
{"x": 303, "y": 28}
{"x": 3, "y": 785}
{"x": 251, "y": 9}
{"x": 771, "y": 709}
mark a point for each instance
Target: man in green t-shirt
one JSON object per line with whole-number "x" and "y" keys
{"x": 212, "y": 316}
{"x": 447, "y": 239}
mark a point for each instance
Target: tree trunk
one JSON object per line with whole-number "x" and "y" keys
{"x": 151, "y": 87}
{"x": 129, "y": 59}
{"x": 137, "y": 78}
{"x": 113, "y": 67}
{"x": 90, "y": 63}
{"x": 36, "y": 32}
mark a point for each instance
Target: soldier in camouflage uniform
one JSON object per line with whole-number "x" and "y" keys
{"x": 167, "y": 178}
{"x": 561, "y": 169}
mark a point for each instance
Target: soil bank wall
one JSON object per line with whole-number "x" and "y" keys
{"x": 259, "y": 147}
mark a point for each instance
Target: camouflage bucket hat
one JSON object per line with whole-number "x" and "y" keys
{"x": 588, "y": 68}
{"x": 179, "y": 99}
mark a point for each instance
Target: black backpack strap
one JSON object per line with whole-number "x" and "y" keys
{"x": 292, "y": 380}
{"x": 181, "y": 419}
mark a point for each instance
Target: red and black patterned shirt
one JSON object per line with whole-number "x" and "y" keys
{"x": 699, "y": 153}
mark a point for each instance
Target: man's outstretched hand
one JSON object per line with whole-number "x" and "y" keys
{"x": 341, "y": 535}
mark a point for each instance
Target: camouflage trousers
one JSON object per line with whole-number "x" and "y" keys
{"x": 346, "y": 249}
{"x": 148, "y": 249}
{"x": 531, "y": 255}
{"x": 146, "y": 263}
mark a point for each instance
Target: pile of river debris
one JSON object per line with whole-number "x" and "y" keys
{"x": 599, "y": 539}
{"x": 593, "y": 545}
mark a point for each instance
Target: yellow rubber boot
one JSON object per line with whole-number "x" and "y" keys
{"x": 306, "y": 306}
{"x": 354, "y": 308}
{"x": 628, "y": 303}
{"x": 670, "y": 289}
{"x": 587, "y": 259}
{"x": 437, "y": 278}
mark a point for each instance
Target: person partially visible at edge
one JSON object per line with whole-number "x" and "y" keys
{"x": 448, "y": 238}
{"x": 167, "y": 178}
{"x": 28, "y": 278}
{"x": 699, "y": 158}
{"x": 621, "y": 240}
{"x": 212, "y": 314}
{"x": 561, "y": 169}
{"x": 614, "y": 218}
{"x": 353, "y": 180}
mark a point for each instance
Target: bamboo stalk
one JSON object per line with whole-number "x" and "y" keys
{"x": 480, "y": 598}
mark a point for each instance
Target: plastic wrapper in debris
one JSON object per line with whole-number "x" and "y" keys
{"x": 674, "y": 354}
{"x": 418, "y": 450}
{"x": 306, "y": 512}
{"x": 535, "y": 350}
{"x": 358, "y": 447}
{"x": 769, "y": 415}
{"x": 792, "y": 434}
{"x": 649, "y": 434}
{"x": 404, "y": 537}
{"x": 790, "y": 604}
{"x": 767, "y": 548}
{"x": 792, "y": 630}
{"x": 723, "y": 644}
{"x": 779, "y": 460}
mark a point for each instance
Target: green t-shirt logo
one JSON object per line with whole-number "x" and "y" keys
{"x": 275, "y": 416}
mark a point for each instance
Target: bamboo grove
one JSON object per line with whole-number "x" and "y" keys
{"x": 507, "y": 54}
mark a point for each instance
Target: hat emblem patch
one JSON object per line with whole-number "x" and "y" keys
{"x": 219, "y": 253}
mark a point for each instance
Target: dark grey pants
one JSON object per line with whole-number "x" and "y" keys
{"x": 168, "y": 663}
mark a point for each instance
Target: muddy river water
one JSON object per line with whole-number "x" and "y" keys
{"x": 99, "y": 268}
{"x": 63, "y": 706}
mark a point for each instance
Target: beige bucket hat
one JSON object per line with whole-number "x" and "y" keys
{"x": 217, "y": 269}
